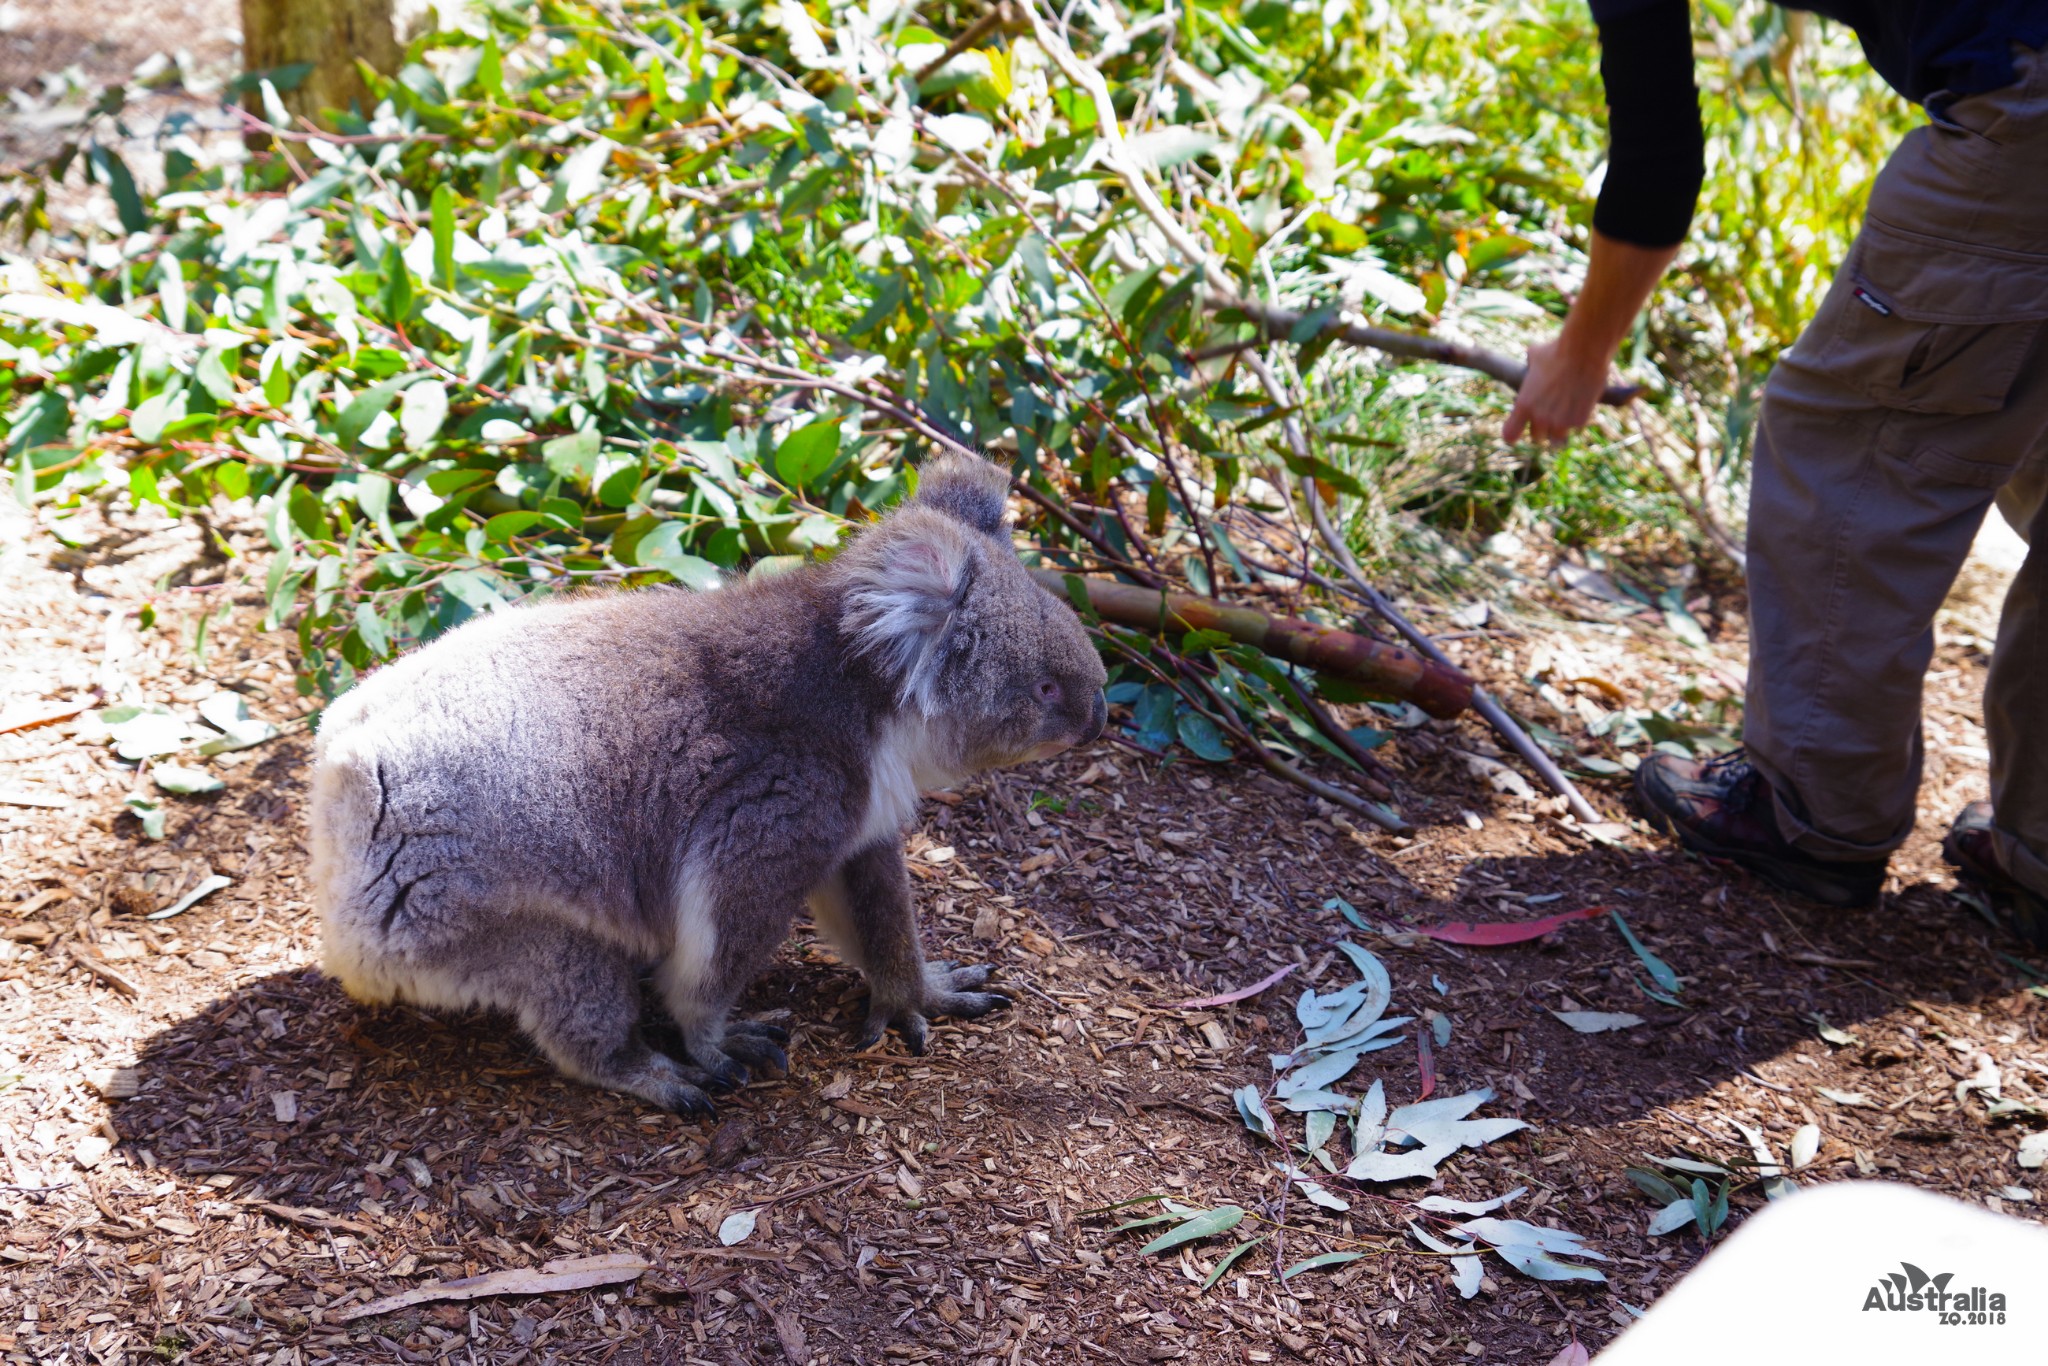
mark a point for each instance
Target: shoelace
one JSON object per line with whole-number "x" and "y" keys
{"x": 1735, "y": 776}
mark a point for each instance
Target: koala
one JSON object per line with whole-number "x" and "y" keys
{"x": 551, "y": 802}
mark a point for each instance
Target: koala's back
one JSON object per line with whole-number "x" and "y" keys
{"x": 575, "y": 759}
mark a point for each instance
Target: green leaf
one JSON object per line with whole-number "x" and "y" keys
{"x": 372, "y": 629}
{"x": 151, "y": 814}
{"x": 396, "y": 297}
{"x": 506, "y": 525}
{"x": 231, "y": 477}
{"x": 121, "y": 185}
{"x": 573, "y": 456}
{"x": 1229, "y": 1258}
{"x": 211, "y": 373}
{"x": 1660, "y": 971}
{"x": 1205, "y": 1225}
{"x": 1314, "y": 1263}
{"x": 367, "y": 406}
{"x": 443, "y": 222}
{"x": 1201, "y": 736}
{"x": 807, "y": 452}
{"x": 423, "y": 411}
{"x": 1654, "y": 1185}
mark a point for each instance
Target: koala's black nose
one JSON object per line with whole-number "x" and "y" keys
{"x": 1098, "y": 717}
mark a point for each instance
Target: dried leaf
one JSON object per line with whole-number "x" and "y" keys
{"x": 1829, "y": 1034}
{"x": 1315, "y": 1194}
{"x": 1853, "y": 1099}
{"x": 1805, "y": 1145}
{"x": 1573, "y": 1355}
{"x": 1243, "y": 993}
{"x": 1251, "y": 1106}
{"x": 1489, "y": 934}
{"x": 1318, "y": 1074}
{"x": 737, "y": 1227}
{"x": 1467, "y": 1274}
{"x": 207, "y": 887}
{"x": 184, "y": 781}
{"x": 1672, "y": 1217}
{"x": 1598, "y": 1021}
{"x": 565, "y": 1273}
{"x": 1440, "y": 1204}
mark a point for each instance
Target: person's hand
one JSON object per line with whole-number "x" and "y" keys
{"x": 1559, "y": 394}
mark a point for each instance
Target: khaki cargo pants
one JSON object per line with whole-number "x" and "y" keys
{"x": 1917, "y": 396}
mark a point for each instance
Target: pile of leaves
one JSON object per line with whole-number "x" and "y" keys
{"x": 1410, "y": 1142}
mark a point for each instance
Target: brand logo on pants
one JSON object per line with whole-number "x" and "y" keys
{"x": 1914, "y": 1291}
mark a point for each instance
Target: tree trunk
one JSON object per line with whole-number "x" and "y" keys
{"x": 331, "y": 35}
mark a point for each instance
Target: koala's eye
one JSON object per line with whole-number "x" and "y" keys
{"x": 1047, "y": 691}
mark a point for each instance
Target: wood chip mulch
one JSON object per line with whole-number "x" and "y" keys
{"x": 208, "y": 1153}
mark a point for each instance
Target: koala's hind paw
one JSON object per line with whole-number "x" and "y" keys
{"x": 689, "y": 1102}
{"x": 757, "y": 1051}
{"x": 673, "y": 1087}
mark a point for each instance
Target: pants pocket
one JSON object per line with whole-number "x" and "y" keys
{"x": 1923, "y": 325}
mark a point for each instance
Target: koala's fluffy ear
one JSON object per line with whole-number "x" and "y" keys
{"x": 910, "y": 575}
{"x": 966, "y": 487}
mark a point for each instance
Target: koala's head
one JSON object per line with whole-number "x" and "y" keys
{"x": 998, "y": 669}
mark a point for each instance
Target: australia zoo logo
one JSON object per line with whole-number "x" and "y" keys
{"x": 1912, "y": 1290}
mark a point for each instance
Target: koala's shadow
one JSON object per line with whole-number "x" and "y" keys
{"x": 286, "y": 1084}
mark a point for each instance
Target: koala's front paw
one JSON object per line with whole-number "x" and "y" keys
{"x": 945, "y": 993}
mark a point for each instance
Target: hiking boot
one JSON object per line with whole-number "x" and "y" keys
{"x": 1969, "y": 847}
{"x": 1721, "y": 807}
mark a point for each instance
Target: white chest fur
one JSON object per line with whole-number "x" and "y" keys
{"x": 904, "y": 763}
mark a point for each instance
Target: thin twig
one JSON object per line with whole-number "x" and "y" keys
{"x": 1340, "y": 555}
{"x": 974, "y": 33}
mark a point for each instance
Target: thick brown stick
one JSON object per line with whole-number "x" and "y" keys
{"x": 1439, "y": 689}
{"x": 1279, "y": 324}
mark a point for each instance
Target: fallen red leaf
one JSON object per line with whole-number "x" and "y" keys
{"x": 1491, "y": 933}
{"x": 1427, "y": 1050}
{"x": 1229, "y": 996}
{"x": 1574, "y": 1355}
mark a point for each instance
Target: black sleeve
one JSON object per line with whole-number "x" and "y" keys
{"x": 1656, "y": 152}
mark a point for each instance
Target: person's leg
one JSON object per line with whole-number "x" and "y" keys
{"x": 1918, "y": 388}
{"x": 1998, "y": 846}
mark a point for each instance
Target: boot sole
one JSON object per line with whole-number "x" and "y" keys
{"x": 1800, "y": 879}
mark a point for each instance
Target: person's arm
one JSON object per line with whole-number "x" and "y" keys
{"x": 1655, "y": 163}
{"x": 1566, "y": 375}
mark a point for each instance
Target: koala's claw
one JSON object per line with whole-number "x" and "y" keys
{"x": 757, "y": 1029}
{"x": 946, "y": 992}
{"x": 691, "y": 1103}
{"x": 758, "y": 1051}
{"x": 911, "y": 1025}
{"x": 727, "y": 1074}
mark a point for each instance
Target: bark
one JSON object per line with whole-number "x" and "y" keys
{"x": 1278, "y": 324}
{"x": 1441, "y": 690}
{"x": 332, "y": 35}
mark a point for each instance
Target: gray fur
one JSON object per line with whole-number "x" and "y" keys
{"x": 550, "y": 801}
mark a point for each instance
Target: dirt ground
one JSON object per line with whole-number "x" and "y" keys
{"x": 286, "y": 1155}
